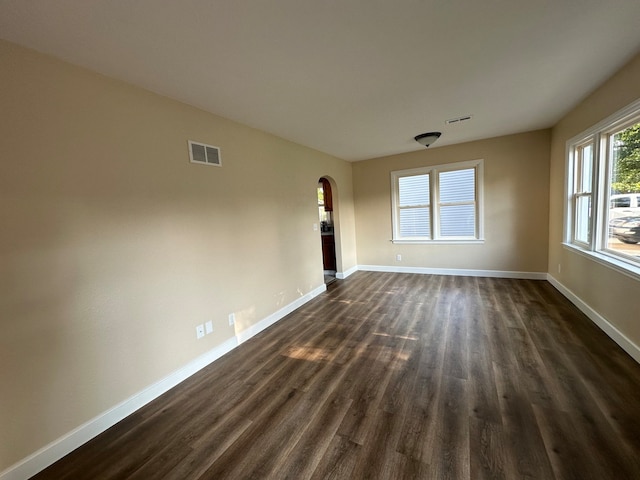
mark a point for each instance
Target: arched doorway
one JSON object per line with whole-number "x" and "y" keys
{"x": 327, "y": 229}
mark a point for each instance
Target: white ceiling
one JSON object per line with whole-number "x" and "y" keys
{"x": 354, "y": 78}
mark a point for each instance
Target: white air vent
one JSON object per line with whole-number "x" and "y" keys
{"x": 204, "y": 154}
{"x": 458, "y": 120}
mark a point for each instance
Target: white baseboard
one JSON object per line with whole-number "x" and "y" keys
{"x": 57, "y": 449}
{"x": 274, "y": 317}
{"x": 455, "y": 271}
{"x": 604, "y": 325}
{"x": 346, "y": 273}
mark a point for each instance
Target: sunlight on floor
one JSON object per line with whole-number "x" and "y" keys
{"x": 312, "y": 354}
{"x": 395, "y": 336}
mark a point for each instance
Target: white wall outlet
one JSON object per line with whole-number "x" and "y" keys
{"x": 559, "y": 268}
{"x": 208, "y": 327}
{"x": 399, "y": 257}
{"x": 200, "y": 331}
{"x": 315, "y": 227}
{"x": 232, "y": 319}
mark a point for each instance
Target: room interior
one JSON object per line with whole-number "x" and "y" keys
{"x": 115, "y": 246}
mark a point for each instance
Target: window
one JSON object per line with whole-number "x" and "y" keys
{"x": 603, "y": 183}
{"x": 582, "y": 196}
{"x": 438, "y": 204}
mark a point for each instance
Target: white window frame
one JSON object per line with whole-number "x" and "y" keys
{"x": 597, "y": 247}
{"x": 577, "y": 192}
{"x": 434, "y": 203}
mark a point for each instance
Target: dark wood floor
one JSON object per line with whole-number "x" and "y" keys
{"x": 395, "y": 376}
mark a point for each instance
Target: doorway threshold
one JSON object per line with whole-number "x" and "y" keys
{"x": 329, "y": 276}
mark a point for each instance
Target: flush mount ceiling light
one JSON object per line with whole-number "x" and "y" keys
{"x": 427, "y": 139}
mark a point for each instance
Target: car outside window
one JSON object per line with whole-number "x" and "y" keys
{"x": 621, "y": 202}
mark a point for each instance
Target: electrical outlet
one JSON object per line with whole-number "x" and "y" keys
{"x": 399, "y": 257}
{"x": 559, "y": 268}
{"x": 208, "y": 327}
{"x": 200, "y": 331}
{"x": 232, "y": 319}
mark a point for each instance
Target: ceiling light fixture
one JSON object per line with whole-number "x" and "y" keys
{"x": 427, "y": 139}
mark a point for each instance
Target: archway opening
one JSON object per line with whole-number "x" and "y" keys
{"x": 326, "y": 217}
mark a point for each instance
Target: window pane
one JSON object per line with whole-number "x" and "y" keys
{"x": 414, "y": 190}
{"x": 458, "y": 186}
{"x": 583, "y": 218}
{"x": 458, "y": 220}
{"x": 415, "y": 222}
{"x": 624, "y": 215}
{"x": 586, "y": 167}
{"x": 457, "y": 203}
{"x": 625, "y": 176}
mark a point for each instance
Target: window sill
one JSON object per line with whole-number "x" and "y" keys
{"x": 475, "y": 241}
{"x": 610, "y": 261}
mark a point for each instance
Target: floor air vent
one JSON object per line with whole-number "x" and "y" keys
{"x": 204, "y": 154}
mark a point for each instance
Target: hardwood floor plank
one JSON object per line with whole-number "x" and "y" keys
{"x": 483, "y": 395}
{"x": 394, "y": 376}
{"x": 206, "y": 449}
{"x": 506, "y": 296}
{"x": 590, "y": 421}
{"x": 488, "y": 454}
{"x": 614, "y": 401}
{"x": 456, "y": 359}
{"x": 339, "y": 461}
{"x": 367, "y": 388}
{"x": 252, "y": 454}
{"x": 526, "y": 454}
{"x": 450, "y": 453}
{"x": 417, "y": 436}
{"x": 404, "y": 370}
{"x": 380, "y": 458}
{"x": 535, "y": 376}
{"x": 308, "y": 452}
{"x": 565, "y": 448}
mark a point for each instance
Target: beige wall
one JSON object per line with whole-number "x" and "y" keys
{"x": 614, "y": 296}
{"x": 516, "y": 190}
{"x": 114, "y": 247}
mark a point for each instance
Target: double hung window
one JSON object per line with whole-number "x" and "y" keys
{"x": 603, "y": 185}
{"x": 438, "y": 203}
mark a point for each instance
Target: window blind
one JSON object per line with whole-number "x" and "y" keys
{"x": 414, "y": 204}
{"x": 457, "y": 190}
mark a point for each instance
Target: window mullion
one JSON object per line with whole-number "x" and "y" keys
{"x": 599, "y": 188}
{"x": 435, "y": 206}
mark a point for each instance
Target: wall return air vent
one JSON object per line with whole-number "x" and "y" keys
{"x": 204, "y": 154}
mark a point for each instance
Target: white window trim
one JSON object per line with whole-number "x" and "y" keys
{"x": 433, "y": 171}
{"x": 596, "y": 249}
